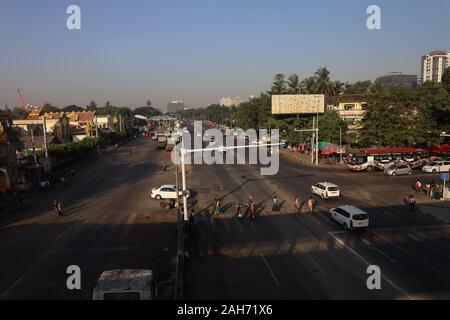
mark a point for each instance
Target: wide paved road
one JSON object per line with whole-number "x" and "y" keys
{"x": 109, "y": 223}
{"x": 287, "y": 255}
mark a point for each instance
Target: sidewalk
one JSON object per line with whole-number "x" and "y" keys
{"x": 305, "y": 159}
{"x": 438, "y": 208}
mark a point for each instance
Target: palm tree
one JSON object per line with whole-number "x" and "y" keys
{"x": 339, "y": 86}
{"x": 324, "y": 84}
{"x": 293, "y": 84}
{"x": 309, "y": 85}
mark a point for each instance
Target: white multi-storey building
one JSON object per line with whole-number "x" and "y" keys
{"x": 434, "y": 65}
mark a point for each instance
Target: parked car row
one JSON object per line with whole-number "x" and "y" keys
{"x": 404, "y": 169}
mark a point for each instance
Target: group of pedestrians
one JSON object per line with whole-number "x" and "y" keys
{"x": 249, "y": 209}
{"x": 430, "y": 189}
{"x": 310, "y": 204}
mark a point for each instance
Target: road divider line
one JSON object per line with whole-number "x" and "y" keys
{"x": 128, "y": 225}
{"x": 342, "y": 243}
{"x": 368, "y": 243}
{"x": 270, "y": 270}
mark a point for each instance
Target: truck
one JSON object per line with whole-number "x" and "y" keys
{"x": 125, "y": 284}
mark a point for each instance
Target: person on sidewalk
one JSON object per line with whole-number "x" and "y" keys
{"x": 164, "y": 166}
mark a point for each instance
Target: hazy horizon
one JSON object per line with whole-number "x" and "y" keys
{"x": 200, "y": 51}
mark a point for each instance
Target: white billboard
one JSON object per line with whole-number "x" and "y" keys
{"x": 298, "y": 104}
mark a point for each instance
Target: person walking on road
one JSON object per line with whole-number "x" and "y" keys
{"x": 275, "y": 203}
{"x": 418, "y": 186}
{"x": 214, "y": 204}
{"x": 310, "y": 204}
{"x": 130, "y": 151}
{"x": 57, "y": 206}
{"x": 297, "y": 203}
{"x": 239, "y": 211}
{"x": 218, "y": 209}
{"x": 412, "y": 202}
{"x": 164, "y": 166}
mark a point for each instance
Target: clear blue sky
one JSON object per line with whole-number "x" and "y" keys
{"x": 200, "y": 50}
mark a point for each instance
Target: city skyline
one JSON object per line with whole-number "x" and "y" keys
{"x": 198, "y": 54}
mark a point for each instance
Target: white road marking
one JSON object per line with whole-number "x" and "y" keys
{"x": 411, "y": 254}
{"x": 429, "y": 246}
{"x": 368, "y": 264}
{"x": 270, "y": 270}
{"x": 128, "y": 225}
{"x": 367, "y": 242}
{"x": 316, "y": 264}
{"x": 431, "y": 239}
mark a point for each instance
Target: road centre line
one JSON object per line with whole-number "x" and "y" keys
{"x": 270, "y": 270}
{"x": 368, "y": 264}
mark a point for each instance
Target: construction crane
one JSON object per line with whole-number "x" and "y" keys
{"x": 22, "y": 102}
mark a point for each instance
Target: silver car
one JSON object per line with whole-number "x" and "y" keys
{"x": 398, "y": 170}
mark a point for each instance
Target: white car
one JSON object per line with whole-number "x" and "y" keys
{"x": 437, "y": 166}
{"x": 326, "y": 190}
{"x": 350, "y": 217}
{"x": 167, "y": 191}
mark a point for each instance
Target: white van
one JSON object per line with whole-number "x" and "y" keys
{"x": 326, "y": 190}
{"x": 125, "y": 284}
{"x": 350, "y": 217}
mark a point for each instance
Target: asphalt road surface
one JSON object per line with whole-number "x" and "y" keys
{"x": 290, "y": 255}
{"x": 111, "y": 223}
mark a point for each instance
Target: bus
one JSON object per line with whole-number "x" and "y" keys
{"x": 440, "y": 152}
{"x": 371, "y": 159}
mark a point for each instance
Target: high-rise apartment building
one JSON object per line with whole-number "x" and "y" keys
{"x": 434, "y": 65}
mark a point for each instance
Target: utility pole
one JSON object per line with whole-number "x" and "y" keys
{"x": 32, "y": 144}
{"x": 45, "y": 137}
{"x": 96, "y": 126}
{"x": 340, "y": 144}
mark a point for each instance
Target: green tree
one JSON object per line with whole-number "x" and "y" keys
{"x": 148, "y": 103}
{"x": 72, "y": 108}
{"x": 329, "y": 124}
{"x": 19, "y": 113}
{"x": 323, "y": 83}
{"x": 390, "y": 118}
{"x": 358, "y": 87}
{"x": 309, "y": 85}
{"x": 446, "y": 79}
{"x": 92, "y": 106}
{"x": 48, "y": 107}
{"x": 293, "y": 84}
{"x": 279, "y": 85}
{"x": 107, "y": 104}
